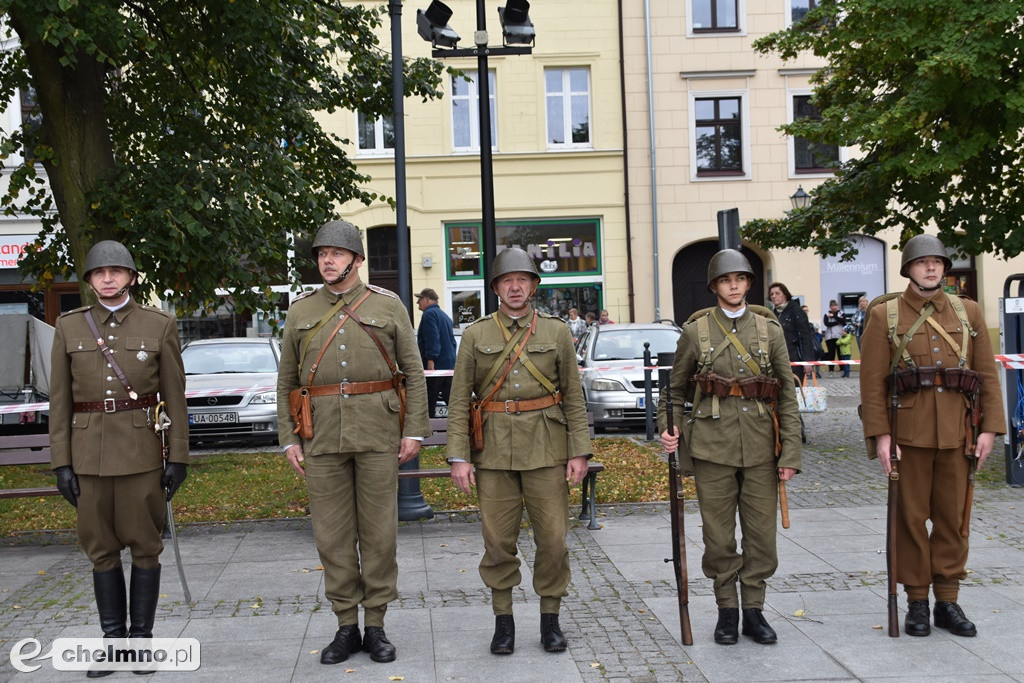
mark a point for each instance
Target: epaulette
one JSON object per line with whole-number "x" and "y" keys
{"x": 480, "y": 319}
{"x": 154, "y": 309}
{"x": 381, "y": 290}
{"x": 542, "y": 314}
{"x": 302, "y": 295}
{"x": 77, "y": 310}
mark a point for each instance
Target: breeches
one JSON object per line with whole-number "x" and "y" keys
{"x": 118, "y": 512}
{"x": 933, "y": 486}
{"x": 502, "y": 495}
{"x": 721, "y": 491}
{"x": 353, "y": 499}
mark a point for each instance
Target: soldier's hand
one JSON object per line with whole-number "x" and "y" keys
{"x": 576, "y": 469}
{"x": 67, "y": 484}
{"x": 174, "y": 477}
{"x": 408, "y": 450}
{"x": 983, "y": 448}
{"x": 294, "y": 454}
{"x": 669, "y": 442}
{"x": 786, "y": 473}
{"x": 463, "y": 476}
{"x": 882, "y": 442}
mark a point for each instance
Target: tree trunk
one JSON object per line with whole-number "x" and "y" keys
{"x": 74, "y": 123}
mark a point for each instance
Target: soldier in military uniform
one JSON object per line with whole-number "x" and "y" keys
{"x": 358, "y": 441}
{"x": 107, "y": 457}
{"x": 535, "y": 440}
{"x": 731, "y": 437}
{"x": 933, "y": 428}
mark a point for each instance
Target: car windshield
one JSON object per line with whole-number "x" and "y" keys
{"x": 215, "y": 359}
{"x": 629, "y": 344}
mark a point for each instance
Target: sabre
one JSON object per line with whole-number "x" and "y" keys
{"x": 161, "y": 422}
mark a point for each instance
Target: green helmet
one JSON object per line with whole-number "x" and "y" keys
{"x": 339, "y": 234}
{"x": 513, "y": 260}
{"x": 108, "y": 253}
{"x": 920, "y": 246}
{"x": 728, "y": 261}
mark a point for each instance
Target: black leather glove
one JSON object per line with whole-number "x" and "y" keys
{"x": 174, "y": 477}
{"x": 67, "y": 484}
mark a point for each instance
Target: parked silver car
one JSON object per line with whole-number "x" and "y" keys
{"x": 232, "y": 388}
{"x": 613, "y": 376}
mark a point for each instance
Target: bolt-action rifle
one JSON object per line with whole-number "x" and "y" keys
{"x": 891, "y": 512}
{"x": 675, "y": 488}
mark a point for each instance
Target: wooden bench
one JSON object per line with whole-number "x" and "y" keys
{"x": 439, "y": 427}
{"x": 26, "y": 449}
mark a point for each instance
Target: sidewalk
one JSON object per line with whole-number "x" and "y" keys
{"x": 260, "y": 614}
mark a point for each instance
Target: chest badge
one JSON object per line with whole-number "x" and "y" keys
{"x": 142, "y": 356}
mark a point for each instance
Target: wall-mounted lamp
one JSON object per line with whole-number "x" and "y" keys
{"x": 800, "y": 199}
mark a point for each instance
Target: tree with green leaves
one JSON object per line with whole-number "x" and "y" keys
{"x": 191, "y": 131}
{"x": 932, "y": 96}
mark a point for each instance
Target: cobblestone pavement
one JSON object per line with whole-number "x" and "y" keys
{"x": 259, "y": 591}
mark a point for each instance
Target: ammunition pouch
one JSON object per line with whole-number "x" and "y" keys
{"x": 909, "y": 380}
{"x": 757, "y": 387}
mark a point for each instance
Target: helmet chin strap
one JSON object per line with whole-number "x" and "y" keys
{"x": 344, "y": 273}
{"x": 926, "y": 289}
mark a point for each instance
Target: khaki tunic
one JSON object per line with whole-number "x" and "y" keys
{"x": 525, "y": 454}
{"x": 121, "y": 446}
{"x": 364, "y": 422}
{"x": 538, "y": 438}
{"x": 732, "y": 445}
{"x": 931, "y": 431}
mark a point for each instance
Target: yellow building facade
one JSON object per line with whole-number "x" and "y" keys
{"x": 557, "y": 150}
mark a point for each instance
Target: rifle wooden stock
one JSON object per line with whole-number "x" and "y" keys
{"x": 784, "y": 504}
{"x": 890, "y": 527}
{"x": 965, "y": 524}
{"x": 675, "y": 488}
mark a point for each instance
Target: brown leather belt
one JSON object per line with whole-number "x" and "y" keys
{"x": 735, "y": 390}
{"x": 351, "y": 388}
{"x": 115, "y": 405}
{"x": 516, "y": 405}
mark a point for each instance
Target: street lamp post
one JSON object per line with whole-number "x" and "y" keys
{"x": 518, "y": 37}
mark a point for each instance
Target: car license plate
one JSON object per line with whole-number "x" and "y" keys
{"x": 640, "y": 402}
{"x": 211, "y": 418}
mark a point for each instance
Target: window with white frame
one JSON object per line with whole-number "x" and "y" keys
{"x": 714, "y": 16}
{"x": 808, "y": 156}
{"x": 466, "y": 111}
{"x": 718, "y": 135}
{"x": 567, "y": 98}
{"x": 375, "y": 136}
{"x": 798, "y": 9}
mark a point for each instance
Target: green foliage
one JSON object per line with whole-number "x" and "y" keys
{"x": 213, "y": 113}
{"x": 932, "y": 94}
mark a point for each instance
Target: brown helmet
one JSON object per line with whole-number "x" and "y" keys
{"x": 728, "y": 261}
{"x": 513, "y": 260}
{"x": 339, "y": 234}
{"x": 920, "y": 246}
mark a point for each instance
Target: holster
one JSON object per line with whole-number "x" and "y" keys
{"x": 476, "y": 426}
{"x": 301, "y": 409}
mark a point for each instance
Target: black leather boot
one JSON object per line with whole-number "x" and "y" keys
{"x": 504, "y": 640}
{"x": 346, "y": 641}
{"x": 727, "y": 629}
{"x": 551, "y": 634}
{"x": 755, "y": 626}
{"x": 948, "y": 615}
{"x": 917, "y": 623}
{"x": 377, "y": 644}
{"x": 112, "y": 605}
{"x": 144, "y": 594}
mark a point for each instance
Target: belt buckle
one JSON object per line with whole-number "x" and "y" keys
{"x": 109, "y": 406}
{"x": 511, "y": 400}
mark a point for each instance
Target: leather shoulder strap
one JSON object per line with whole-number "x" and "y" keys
{"x": 339, "y": 306}
{"x": 108, "y": 354}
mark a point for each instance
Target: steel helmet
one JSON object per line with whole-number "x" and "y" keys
{"x": 108, "y": 253}
{"x": 339, "y": 234}
{"x": 513, "y": 260}
{"x": 728, "y": 261}
{"x": 920, "y": 246}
